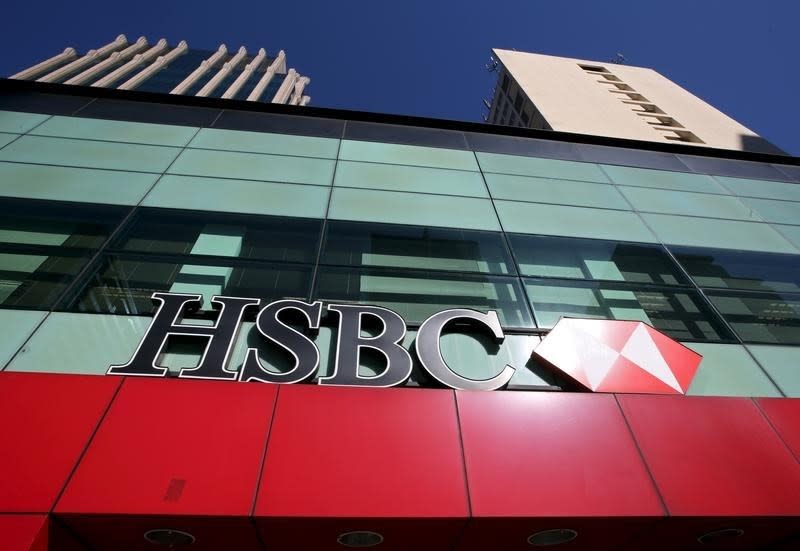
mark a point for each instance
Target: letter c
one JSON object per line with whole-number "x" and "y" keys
{"x": 430, "y": 353}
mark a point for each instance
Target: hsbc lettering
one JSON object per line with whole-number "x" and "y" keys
{"x": 271, "y": 325}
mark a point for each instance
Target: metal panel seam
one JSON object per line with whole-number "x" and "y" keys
{"x": 641, "y": 455}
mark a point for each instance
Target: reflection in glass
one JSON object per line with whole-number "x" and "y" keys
{"x": 58, "y": 225}
{"x": 740, "y": 270}
{"x": 681, "y": 314}
{"x": 124, "y": 285}
{"x": 44, "y": 246}
{"x": 395, "y": 246}
{"x": 513, "y": 145}
{"x": 730, "y": 167}
{"x": 593, "y": 259}
{"x": 417, "y": 295}
{"x": 281, "y": 124}
{"x": 255, "y": 237}
{"x": 37, "y": 280}
{"x": 769, "y": 318}
{"x": 411, "y": 135}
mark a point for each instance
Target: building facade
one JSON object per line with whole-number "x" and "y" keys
{"x": 609, "y": 99}
{"x": 109, "y": 196}
{"x": 176, "y": 70}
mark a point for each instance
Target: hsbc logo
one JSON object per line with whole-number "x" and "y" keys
{"x": 618, "y": 356}
{"x": 591, "y": 352}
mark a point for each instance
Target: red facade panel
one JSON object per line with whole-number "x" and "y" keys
{"x": 343, "y": 458}
{"x": 714, "y": 457}
{"x": 552, "y": 455}
{"x": 23, "y": 532}
{"x": 174, "y": 447}
{"x": 548, "y": 461}
{"x": 784, "y": 415}
{"x": 46, "y": 421}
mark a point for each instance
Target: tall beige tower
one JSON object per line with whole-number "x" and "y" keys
{"x": 609, "y": 99}
{"x": 159, "y": 67}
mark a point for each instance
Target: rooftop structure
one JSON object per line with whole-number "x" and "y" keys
{"x": 609, "y": 99}
{"x": 158, "y": 67}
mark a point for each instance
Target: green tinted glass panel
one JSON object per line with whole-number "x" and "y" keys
{"x": 749, "y": 271}
{"x": 409, "y": 178}
{"x": 691, "y": 204}
{"x": 723, "y": 234}
{"x": 682, "y": 314}
{"x": 263, "y": 142}
{"x": 111, "y": 340}
{"x": 116, "y": 131}
{"x": 545, "y": 168}
{"x": 565, "y": 257}
{"x": 18, "y": 122}
{"x": 407, "y": 155}
{"x": 56, "y": 225}
{"x": 73, "y": 184}
{"x": 728, "y": 370}
{"x": 104, "y": 340}
{"x": 212, "y": 194}
{"x": 760, "y": 318}
{"x": 663, "y": 179}
{"x": 37, "y": 279}
{"x": 781, "y": 362}
{"x": 252, "y": 166}
{"x": 417, "y": 295}
{"x": 16, "y": 326}
{"x": 792, "y": 233}
{"x": 236, "y": 236}
{"x": 761, "y": 188}
{"x": 779, "y": 212}
{"x": 394, "y": 246}
{"x": 7, "y": 138}
{"x": 89, "y": 153}
{"x": 572, "y": 221}
{"x": 124, "y": 285}
{"x": 549, "y": 190}
{"x": 412, "y": 208}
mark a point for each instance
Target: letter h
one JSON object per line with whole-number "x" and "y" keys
{"x": 219, "y": 338}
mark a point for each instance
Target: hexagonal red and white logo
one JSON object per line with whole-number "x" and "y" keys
{"x": 618, "y": 356}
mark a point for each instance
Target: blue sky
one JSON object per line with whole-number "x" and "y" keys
{"x": 427, "y": 58}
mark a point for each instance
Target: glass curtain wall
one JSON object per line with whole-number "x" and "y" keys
{"x": 108, "y": 201}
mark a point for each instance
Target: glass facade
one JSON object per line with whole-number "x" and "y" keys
{"x": 104, "y": 202}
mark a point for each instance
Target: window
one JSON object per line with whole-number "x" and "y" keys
{"x": 209, "y": 254}
{"x": 236, "y": 236}
{"x": 591, "y": 259}
{"x": 416, "y": 295}
{"x": 44, "y": 246}
{"x": 415, "y": 247}
{"x": 750, "y": 271}
{"x": 680, "y": 313}
{"x": 761, "y": 318}
{"x": 593, "y": 68}
{"x": 124, "y": 284}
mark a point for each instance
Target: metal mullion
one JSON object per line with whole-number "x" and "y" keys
{"x": 67, "y": 293}
{"x": 623, "y": 285}
{"x": 312, "y": 291}
{"x": 202, "y": 259}
{"x": 45, "y": 250}
{"x": 424, "y": 271}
